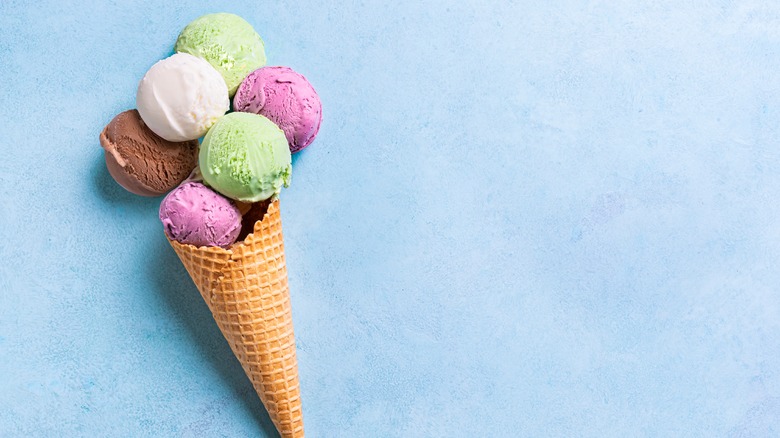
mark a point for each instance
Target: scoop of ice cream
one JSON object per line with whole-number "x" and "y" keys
{"x": 227, "y": 42}
{"x": 181, "y": 96}
{"x": 245, "y": 156}
{"x": 286, "y": 98}
{"x": 142, "y": 162}
{"x": 195, "y": 214}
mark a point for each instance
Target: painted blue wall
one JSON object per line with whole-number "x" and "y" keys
{"x": 520, "y": 218}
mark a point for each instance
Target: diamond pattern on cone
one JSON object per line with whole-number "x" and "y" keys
{"x": 246, "y": 290}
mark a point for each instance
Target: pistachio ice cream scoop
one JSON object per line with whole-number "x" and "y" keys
{"x": 227, "y": 42}
{"x": 245, "y": 157}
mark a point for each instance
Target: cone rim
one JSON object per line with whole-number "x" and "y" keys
{"x": 230, "y": 250}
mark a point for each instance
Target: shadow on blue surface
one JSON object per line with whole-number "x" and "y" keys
{"x": 117, "y": 197}
{"x": 298, "y": 157}
{"x": 184, "y": 303}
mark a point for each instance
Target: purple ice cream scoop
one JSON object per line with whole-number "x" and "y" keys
{"x": 193, "y": 213}
{"x": 286, "y": 98}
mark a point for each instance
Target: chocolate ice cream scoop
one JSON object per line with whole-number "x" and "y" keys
{"x": 141, "y": 161}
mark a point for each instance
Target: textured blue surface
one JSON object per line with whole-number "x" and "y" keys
{"x": 519, "y": 219}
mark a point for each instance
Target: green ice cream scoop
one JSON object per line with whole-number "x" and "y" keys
{"x": 227, "y": 42}
{"x": 245, "y": 156}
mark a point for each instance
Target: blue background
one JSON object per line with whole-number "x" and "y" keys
{"x": 520, "y": 218}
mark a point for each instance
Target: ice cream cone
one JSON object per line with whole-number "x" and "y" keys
{"x": 246, "y": 290}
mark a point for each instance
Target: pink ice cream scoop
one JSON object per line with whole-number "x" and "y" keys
{"x": 193, "y": 213}
{"x": 285, "y": 97}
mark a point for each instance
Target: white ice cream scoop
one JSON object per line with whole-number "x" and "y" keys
{"x": 180, "y": 97}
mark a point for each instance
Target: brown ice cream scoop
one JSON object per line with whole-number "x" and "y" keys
{"x": 141, "y": 161}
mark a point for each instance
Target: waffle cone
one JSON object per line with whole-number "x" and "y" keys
{"x": 246, "y": 290}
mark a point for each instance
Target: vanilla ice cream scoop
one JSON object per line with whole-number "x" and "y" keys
{"x": 180, "y": 97}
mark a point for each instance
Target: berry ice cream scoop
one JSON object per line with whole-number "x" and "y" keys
{"x": 199, "y": 216}
{"x": 286, "y": 98}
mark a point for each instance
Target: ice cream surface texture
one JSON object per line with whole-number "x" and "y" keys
{"x": 141, "y": 161}
{"x": 227, "y": 42}
{"x": 245, "y": 156}
{"x": 286, "y": 98}
{"x": 180, "y": 97}
{"x": 195, "y": 214}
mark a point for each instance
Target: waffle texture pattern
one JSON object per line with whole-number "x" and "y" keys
{"x": 246, "y": 290}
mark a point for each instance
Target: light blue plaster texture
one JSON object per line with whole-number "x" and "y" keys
{"x": 520, "y": 218}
